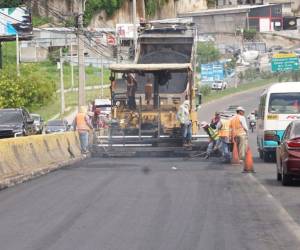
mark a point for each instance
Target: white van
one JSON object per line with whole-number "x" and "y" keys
{"x": 279, "y": 105}
{"x": 104, "y": 105}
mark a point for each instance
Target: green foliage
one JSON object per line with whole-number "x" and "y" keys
{"x": 94, "y": 6}
{"x": 10, "y": 3}
{"x": 207, "y": 52}
{"x": 152, "y": 5}
{"x": 38, "y": 21}
{"x": 31, "y": 89}
{"x": 70, "y": 22}
{"x": 53, "y": 56}
{"x": 249, "y": 34}
{"x": 205, "y": 90}
{"x": 211, "y": 3}
{"x": 231, "y": 64}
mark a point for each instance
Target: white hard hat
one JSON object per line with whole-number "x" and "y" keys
{"x": 240, "y": 108}
{"x": 186, "y": 103}
{"x": 203, "y": 124}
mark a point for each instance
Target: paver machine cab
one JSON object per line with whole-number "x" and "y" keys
{"x": 163, "y": 72}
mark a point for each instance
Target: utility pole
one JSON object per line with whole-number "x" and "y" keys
{"x": 81, "y": 65}
{"x": 18, "y": 54}
{"x": 62, "y": 87}
{"x": 1, "y": 65}
{"x": 71, "y": 64}
{"x": 102, "y": 76}
{"x": 134, "y": 24}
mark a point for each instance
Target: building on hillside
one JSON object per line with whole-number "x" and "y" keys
{"x": 288, "y": 6}
{"x": 263, "y": 18}
{"x": 232, "y": 3}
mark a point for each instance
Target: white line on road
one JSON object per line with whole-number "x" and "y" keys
{"x": 283, "y": 214}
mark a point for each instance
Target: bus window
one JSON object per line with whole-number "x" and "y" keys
{"x": 284, "y": 103}
{"x": 262, "y": 105}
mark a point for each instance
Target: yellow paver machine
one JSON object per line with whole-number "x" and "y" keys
{"x": 146, "y": 94}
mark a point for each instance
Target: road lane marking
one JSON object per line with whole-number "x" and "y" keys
{"x": 283, "y": 214}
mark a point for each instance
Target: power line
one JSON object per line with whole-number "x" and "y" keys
{"x": 61, "y": 17}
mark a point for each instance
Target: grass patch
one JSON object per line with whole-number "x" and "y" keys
{"x": 71, "y": 100}
{"x": 242, "y": 87}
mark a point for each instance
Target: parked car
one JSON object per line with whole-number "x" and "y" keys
{"x": 297, "y": 52}
{"x": 15, "y": 122}
{"x": 104, "y": 106}
{"x": 288, "y": 154}
{"x": 55, "y": 126}
{"x": 275, "y": 48}
{"x": 38, "y": 123}
{"x": 219, "y": 85}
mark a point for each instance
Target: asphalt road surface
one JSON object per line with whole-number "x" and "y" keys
{"x": 154, "y": 204}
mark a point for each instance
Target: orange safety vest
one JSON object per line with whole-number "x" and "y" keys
{"x": 81, "y": 123}
{"x": 236, "y": 127}
{"x": 225, "y": 130}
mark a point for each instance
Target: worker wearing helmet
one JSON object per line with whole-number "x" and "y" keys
{"x": 215, "y": 120}
{"x": 224, "y": 133}
{"x": 239, "y": 131}
{"x": 213, "y": 138}
{"x": 83, "y": 126}
{"x": 183, "y": 116}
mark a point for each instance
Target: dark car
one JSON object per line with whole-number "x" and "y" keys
{"x": 288, "y": 154}
{"x": 15, "y": 122}
{"x": 56, "y": 126}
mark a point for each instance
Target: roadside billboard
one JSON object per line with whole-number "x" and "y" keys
{"x": 212, "y": 72}
{"x": 125, "y": 30}
{"x": 284, "y": 62}
{"x": 15, "y": 21}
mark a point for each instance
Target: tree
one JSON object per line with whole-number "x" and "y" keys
{"x": 207, "y": 52}
{"x": 249, "y": 34}
{"x": 10, "y": 3}
{"x": 29, "y": 90}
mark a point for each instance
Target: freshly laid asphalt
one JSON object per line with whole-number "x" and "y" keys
{"x": 154, "y": 203}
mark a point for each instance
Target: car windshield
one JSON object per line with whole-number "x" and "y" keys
{"x": 56, "y": 123}
{"x": 284, "y": 103}
{"x": 35, "y": 117}
{"x": 8, "y": 116}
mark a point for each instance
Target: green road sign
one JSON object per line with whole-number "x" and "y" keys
{"x": 283, "y": 63}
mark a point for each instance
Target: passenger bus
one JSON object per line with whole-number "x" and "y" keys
{"x": 278, "y": 106}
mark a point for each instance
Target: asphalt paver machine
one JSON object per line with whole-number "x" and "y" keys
{"x": 163, "y": 72}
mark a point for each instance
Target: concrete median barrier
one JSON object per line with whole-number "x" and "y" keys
{"x": 26, "y": 157}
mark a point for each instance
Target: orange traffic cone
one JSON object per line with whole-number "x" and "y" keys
{"x": 248, "y": 163}
{"x": 235, "y": 154}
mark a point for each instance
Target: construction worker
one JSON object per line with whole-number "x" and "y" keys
{"x": 131, "y": 89}
{"x": 213, "y": 138}
{"x": 183, "y": 116}
{"x": 239, "y": 131}
{"x": 224, "y": 133}
{"x": 148, "y": 90}
{"x": 83, "y": 126}
{"x": 215, "y": 120}
{"x": 113, "y": 87}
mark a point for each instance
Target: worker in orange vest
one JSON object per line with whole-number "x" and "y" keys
{"x": 83, "y": 126}
{"x": 239, "y": 132}
{"x": 224, "y": 134}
